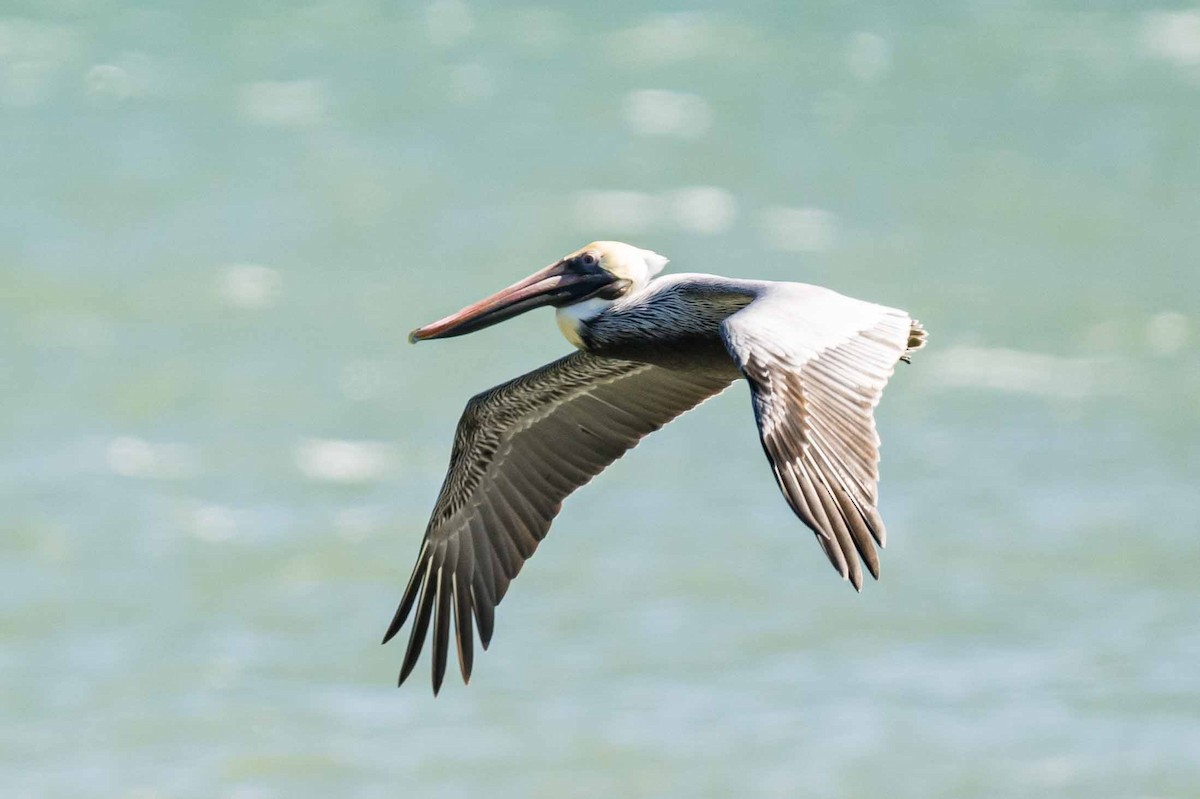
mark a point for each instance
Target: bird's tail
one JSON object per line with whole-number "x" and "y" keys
{"x": 916, "y": 340}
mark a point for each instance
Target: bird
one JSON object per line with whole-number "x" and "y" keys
{"x": 647, "y": 349}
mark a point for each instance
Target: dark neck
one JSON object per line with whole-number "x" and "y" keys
{"x": 674, "y": 311}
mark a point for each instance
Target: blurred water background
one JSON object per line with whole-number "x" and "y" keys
{"x": 218, "y": 222}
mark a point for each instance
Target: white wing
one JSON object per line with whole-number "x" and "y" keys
{"x": 817, "y": 363}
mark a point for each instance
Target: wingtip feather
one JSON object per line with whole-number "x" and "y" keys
{"x": 410, "y": 594}
{"x": 416, "y": 638}
{"x": 441, "y": 630}
{"x": 463, "y": 632}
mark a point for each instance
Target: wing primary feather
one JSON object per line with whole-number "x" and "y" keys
{"x": 462, "y": 626}
{"x": 846, "y": 468}
{"x": 416, "y": 637}
{"x": 410, "y": 594}
{"x": 441, "y": 631}
{"x": 813, "y": 502}
{"x": 515, "y": 524}
{"x": 507, "y": 554}
{"x": 877, "y": 528}
{"x": 484, "y": 615}
{"x": 555, "y": 477}
{"x": 824, "y": 529}
{"x": 522, "y": 507}
{"x": 835, "y": 478}
{"x": 859, "y": 531}
{"x": 796, "y": 500}
{"x": 486, "y": 570}
{"x": 834, "y": 514}
{"x": 521, "y": 478}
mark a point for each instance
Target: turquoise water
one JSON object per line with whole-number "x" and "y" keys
{"x": 217, "y": 226}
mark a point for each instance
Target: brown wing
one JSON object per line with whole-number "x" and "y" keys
{"x": 817, "y": 363}
{"x": 519, "y": 450}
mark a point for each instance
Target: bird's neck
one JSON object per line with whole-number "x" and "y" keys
{"x": 674, "y": 308}
{"x": 573, "y": 319}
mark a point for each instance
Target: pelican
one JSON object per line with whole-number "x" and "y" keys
{"x": 648, "y": 349}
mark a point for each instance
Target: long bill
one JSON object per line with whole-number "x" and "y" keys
{"x": 554, "y": 285}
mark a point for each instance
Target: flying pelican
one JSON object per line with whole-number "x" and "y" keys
{"x": 648, "y": 350}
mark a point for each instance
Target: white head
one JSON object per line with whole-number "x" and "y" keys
{"x": 581, "y": 286}
{"x": 632, "y": 267}
{"x": 624, "y": 261}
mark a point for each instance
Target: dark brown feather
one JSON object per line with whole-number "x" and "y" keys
{"x": 519, "y": 450}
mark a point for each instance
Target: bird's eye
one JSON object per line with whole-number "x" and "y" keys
{"x": 588, "y": 259}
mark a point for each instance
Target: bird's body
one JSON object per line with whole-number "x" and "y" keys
{"x": 649, "y": 350}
